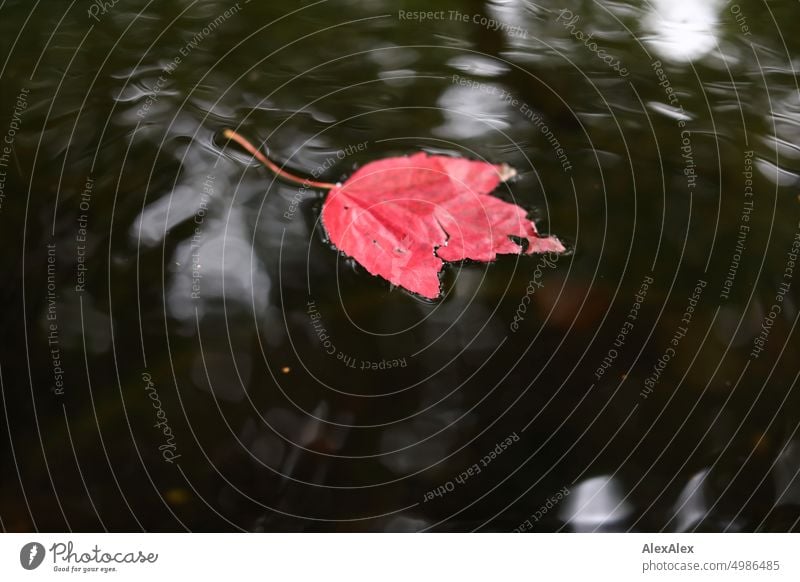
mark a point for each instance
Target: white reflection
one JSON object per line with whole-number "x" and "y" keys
{"x": 398, "y": 77}
{"x": 683, "y": 30}
{"x": 167, "y": 210}
{"x": 676, "y": 113}
{"x": 594, "y": 504}
{"x": 403, "y": 524}
{"x": 471, "y": 110}
{"x": 775, "y": 174}
{"x": 786, "y": 120}
{"x": 779, "y": 163}
{"x": 163, "y": 214}
{"x": 510, "y": 18}
{"x": 202, "y": 263}
{"x": 691, "y": 506}
{"x": 391, "y": 56}
{"x": 478, "y": 66}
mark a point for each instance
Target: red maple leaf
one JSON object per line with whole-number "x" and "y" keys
{"x": 402, "y": 217}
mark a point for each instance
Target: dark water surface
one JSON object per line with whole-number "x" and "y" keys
{"x": 183, "y": 349}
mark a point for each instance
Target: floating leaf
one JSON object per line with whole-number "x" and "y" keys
{"x": 401, "y": 218}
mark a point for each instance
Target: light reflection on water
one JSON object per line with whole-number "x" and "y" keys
{"x": 683, "y": 31}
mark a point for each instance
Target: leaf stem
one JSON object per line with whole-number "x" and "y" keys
{"x": 272, "y": 166}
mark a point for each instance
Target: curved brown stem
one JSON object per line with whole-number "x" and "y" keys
{"x": 273, "y": 167}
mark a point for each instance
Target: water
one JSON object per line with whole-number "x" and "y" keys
{"x": 185, "y": 350}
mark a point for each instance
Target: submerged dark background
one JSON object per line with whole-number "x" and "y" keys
{"x": 270, "y": 432}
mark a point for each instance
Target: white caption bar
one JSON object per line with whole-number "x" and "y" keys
{"x": 400, "y": 557}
